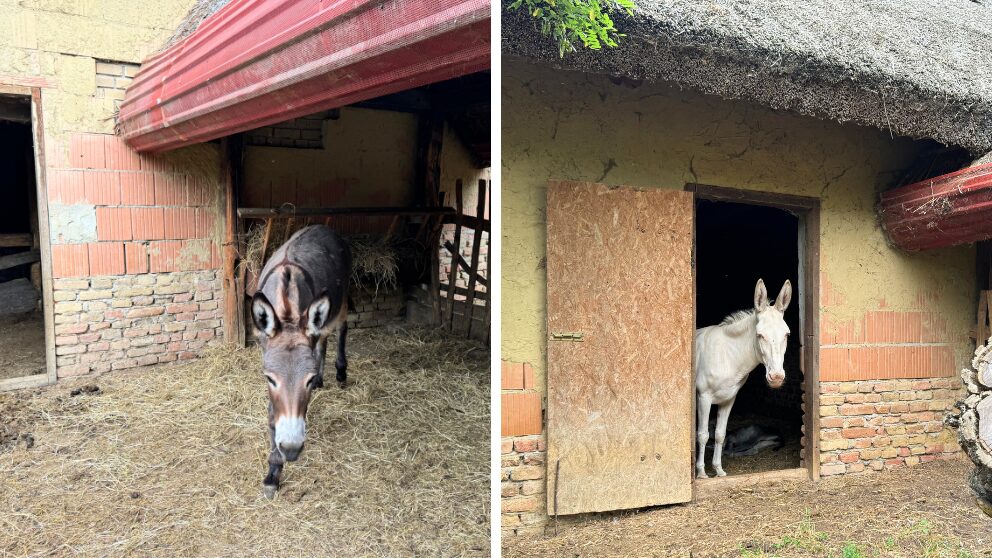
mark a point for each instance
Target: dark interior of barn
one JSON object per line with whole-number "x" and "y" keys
{"x": 736, "y": 244}
{"x": 400, "y": 178}
{"x": 22, "y": 337}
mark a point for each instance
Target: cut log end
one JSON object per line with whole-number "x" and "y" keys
{"x": 974, "y": 425}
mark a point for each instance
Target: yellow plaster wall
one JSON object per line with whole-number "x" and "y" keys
{"x": 369, "y": 157}
{"x": 58, "y": 42}
{"x": 576, "y": 126}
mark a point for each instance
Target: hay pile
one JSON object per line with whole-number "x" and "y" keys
{"x": 169, "y": 461}
{"x": 374, "y": 260}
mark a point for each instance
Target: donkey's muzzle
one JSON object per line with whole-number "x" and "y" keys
{"x": 290, "y": 451}
{"x": 775, "y": 379}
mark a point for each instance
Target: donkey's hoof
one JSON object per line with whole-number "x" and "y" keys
{"x": 269, "y": 491}
{"x": 702, "y": 475}
{"x": 342, "y": 384}
{"x": 720, "y": 473}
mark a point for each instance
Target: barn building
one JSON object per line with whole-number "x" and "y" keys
{"x": 145, "y": 144}
{"x": 647, "y": 187}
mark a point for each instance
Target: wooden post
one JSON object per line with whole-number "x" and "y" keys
{"x": 430, "y": 134}
{"x": 982, "y": 332}
{"x": 232, "y": 151}
{"x": 453, "y": 272}
{"x": 489, "y": 274}
{"x": 428, "y": 181}
{"x": 480, "y": 210}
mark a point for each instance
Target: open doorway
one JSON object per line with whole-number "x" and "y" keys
{"x": 737, "y": 243}
{"x": 22, "y": 323}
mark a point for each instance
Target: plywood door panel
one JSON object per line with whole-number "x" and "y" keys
{"x": 620, "y": 400}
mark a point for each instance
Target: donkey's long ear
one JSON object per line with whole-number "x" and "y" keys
{"x": 784, "y": 297}
{"x": 317, "y": 314}
{"x": 263, "y": 315}
{"x": 760, "y": 296}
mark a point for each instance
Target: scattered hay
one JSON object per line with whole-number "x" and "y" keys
{"x": 169, "y": 461}
{"x": 922, "y": 511}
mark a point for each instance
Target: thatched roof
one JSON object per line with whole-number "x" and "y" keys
{"x": 200, "y": 11}
{"x": 916, "y": 67}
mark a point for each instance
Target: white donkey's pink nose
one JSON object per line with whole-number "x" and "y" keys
{"x": 775, "y": 379}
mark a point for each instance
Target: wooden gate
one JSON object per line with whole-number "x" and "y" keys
{"x": 620, "y": 331}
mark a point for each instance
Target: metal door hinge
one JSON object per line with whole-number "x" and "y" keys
{"x": 567, "y": 336}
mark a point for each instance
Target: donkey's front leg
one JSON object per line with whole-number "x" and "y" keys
{"x": 702, "y": 434}
{"x": 271, "y": 483}
{"x": 321, "y": 349}
{"x": 342, "y": 361}
{"x": 722, "y": 414}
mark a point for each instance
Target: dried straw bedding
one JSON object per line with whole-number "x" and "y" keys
{"x": 168, "y": 461}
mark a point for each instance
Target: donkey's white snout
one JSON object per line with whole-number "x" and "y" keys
{"x": 290, "y": 436}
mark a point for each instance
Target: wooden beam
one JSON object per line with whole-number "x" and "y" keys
{"x": 469, "y": 222}
{"x": 277, "y": 213}
{"x": 464, "y": 264}
{"x": 430, "y": 134}
{"x": 480, "y": 210}
{"x": 453, "y": 271}
{"x": 25, "y": 240}
{"x": 19, "y": 259}
{"x": 232, "y": 161}
{"x": 489, "y": 305}
{"x": 463, "y": 291}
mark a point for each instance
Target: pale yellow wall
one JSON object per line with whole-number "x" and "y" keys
{"x": 58, "y": 42}
{"x": 457, "y": 163}
{"x": 578, "y": 126}
{"x": 369, "y": 158}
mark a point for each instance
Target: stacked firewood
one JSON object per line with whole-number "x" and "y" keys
{"x": 974, "y": 424}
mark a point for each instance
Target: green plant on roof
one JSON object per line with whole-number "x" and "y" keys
{"x": 571, "y": 22}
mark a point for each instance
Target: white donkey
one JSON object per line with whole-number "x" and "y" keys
{"x": 725, "y": 356}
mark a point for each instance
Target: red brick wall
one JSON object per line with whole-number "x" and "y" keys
{"x": 884, "y": 424}
{"x": 523, "y": 452}
{"x": 134, "y": 255}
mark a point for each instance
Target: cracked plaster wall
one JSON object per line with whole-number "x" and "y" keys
{"x": 575, "y": 126}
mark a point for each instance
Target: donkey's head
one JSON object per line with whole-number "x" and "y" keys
{"x": 773, "y": 332}
{"x": 290, "y": 365}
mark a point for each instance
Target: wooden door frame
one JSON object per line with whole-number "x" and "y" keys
{"x": 44, "y": 240}
{"x": 808, "y": 211}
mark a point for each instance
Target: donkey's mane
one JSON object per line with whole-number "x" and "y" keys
{"x": 737, "y": 322}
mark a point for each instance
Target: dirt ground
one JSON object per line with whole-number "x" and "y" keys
{"x": 921, "y": 512}
{"x": 169, "y": 460}
{"x": 22, "y": 345}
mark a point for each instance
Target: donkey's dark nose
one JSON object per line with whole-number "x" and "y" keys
{"x": 290, "y": 452}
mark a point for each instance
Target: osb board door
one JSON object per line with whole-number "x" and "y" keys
{"x": 620, "y": 401}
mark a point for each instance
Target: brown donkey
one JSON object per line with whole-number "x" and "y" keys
{"x": 302, "y": 298}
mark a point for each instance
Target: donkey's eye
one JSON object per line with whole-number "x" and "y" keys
{"x": 271, "y": 381}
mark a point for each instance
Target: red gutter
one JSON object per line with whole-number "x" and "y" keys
{"x": 948, "y": 210}
{"x": 258, "y": 62}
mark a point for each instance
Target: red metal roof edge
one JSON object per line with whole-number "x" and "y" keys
{"x": 180, "y": 84}
{"x": 913, "y": 220}
{"x": 977, "y": 170}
